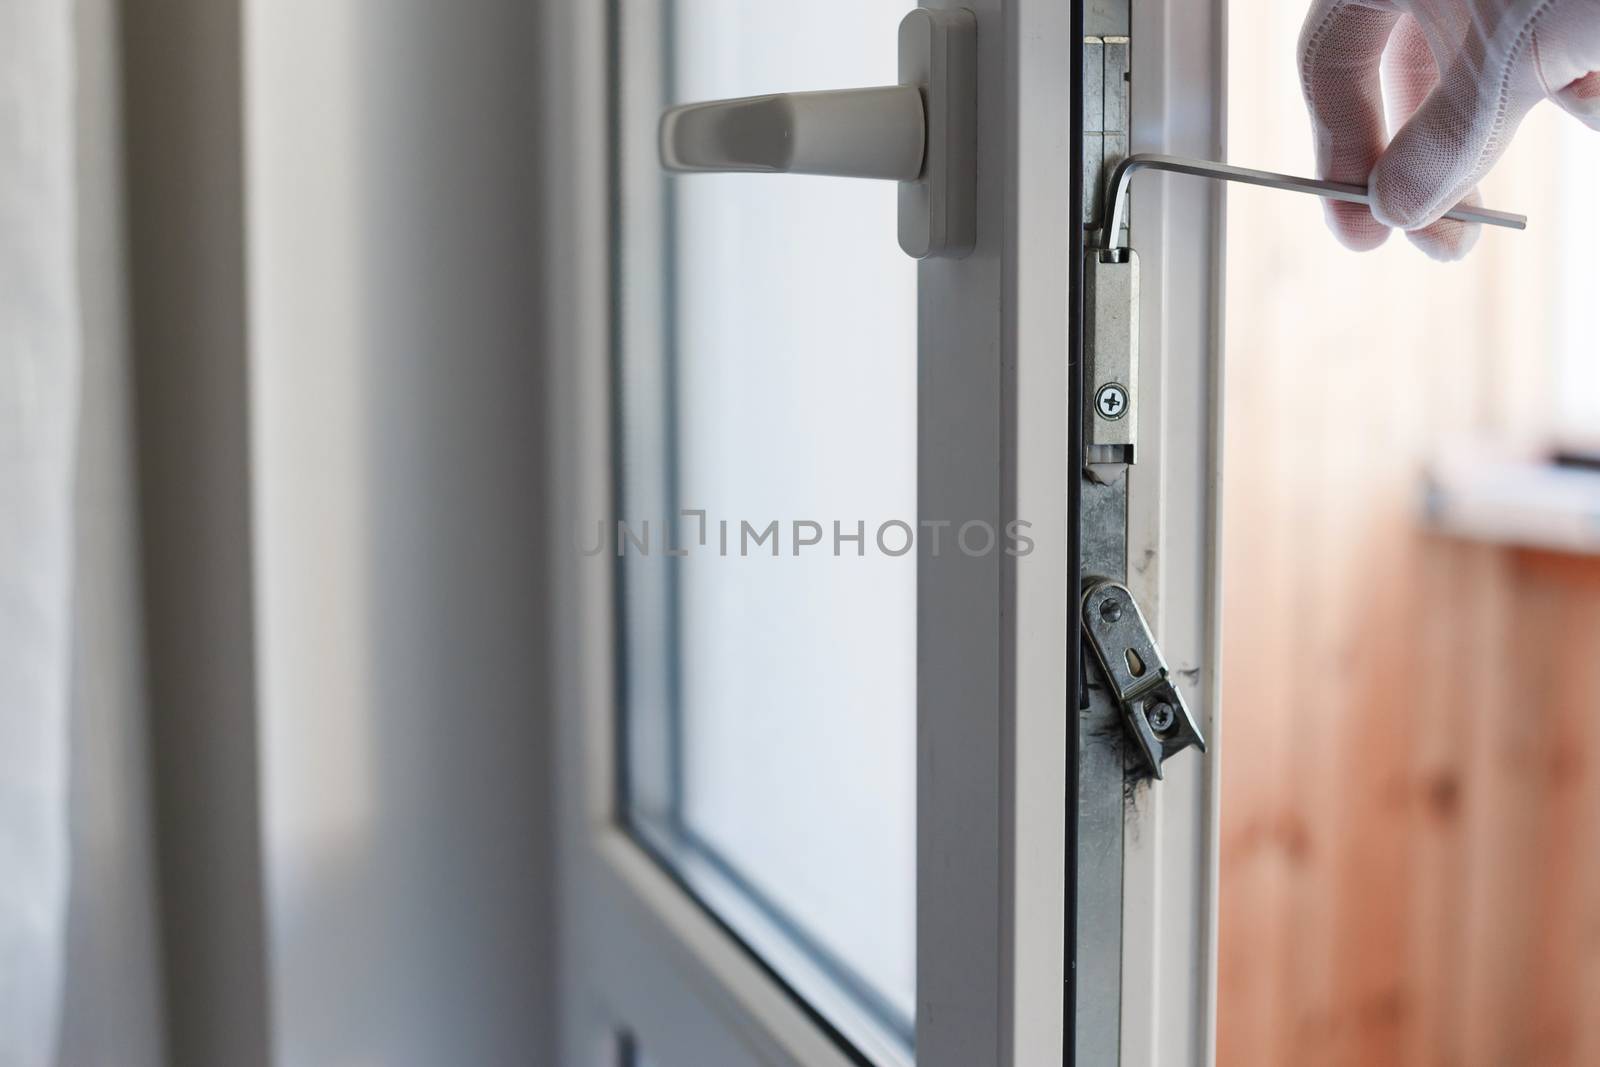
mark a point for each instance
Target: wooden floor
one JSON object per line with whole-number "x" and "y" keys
{"x": 1411, "y": 757}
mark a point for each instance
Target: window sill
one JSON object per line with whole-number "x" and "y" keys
{"x": 1546, "y": 498}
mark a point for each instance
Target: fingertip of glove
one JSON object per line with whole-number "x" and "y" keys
{"x": 1411, "y": 188}
{"x": 1446, "y": 240}
{"x": 1354, "y": 226}
{"x": 1399, "y": 198}
{"x": 1581, "y": 99}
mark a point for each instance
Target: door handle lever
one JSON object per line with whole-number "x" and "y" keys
{"x": 921, "y": 133}
{"x": 848, "y": 133}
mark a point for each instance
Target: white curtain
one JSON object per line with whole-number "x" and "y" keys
{"x": 40, "y": 348}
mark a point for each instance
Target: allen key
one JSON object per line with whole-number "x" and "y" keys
{"x": 1349, "y": 192}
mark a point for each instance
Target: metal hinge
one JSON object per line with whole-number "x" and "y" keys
{"x": 1151, "y": 704}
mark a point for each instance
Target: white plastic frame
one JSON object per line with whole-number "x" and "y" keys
{"x": 1170, "y": 837}
{"x": 638, "y": 955}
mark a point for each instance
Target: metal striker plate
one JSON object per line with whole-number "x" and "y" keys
{"x": 1155, "y": 711}
{"x": 1111, "y": 322}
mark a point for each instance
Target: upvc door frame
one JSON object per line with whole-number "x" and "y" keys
{"x": 1170, "y": 830}
{"x": 1002, "y": 914}
{"x": 997, "y": 634}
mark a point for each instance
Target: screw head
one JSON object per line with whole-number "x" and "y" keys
{"x": 1112, "y": 401}
{"x": 1161, "y": 717}
{"x": 1111, "y": 609}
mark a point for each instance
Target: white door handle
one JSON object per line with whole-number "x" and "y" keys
{"x": 850, "y": 133}
{"x": 920, "y": 133}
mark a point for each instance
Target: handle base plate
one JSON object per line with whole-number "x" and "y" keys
{"x": 938, "y": 211}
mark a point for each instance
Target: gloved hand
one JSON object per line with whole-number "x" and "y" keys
{"x": 1457, "y": 78}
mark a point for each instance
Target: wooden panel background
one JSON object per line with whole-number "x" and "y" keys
{"x": 1411, "y": 797}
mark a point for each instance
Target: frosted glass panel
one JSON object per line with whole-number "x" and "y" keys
{"x": 770, "y": 675}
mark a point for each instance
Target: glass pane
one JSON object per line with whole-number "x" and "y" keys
{"x": 766, "y": 358}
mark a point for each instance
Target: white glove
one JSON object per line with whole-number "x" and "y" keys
{"x": 1458, "y": 77}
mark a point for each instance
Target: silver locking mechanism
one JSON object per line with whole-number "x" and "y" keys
{"x": 1156, "y": 715}
{"x": 1111, "y": 289}
{"x": 1111, "y": 320}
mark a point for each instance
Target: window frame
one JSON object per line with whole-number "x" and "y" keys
{"x": 998, "y": 640}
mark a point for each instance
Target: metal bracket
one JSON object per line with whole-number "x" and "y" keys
{"x": 1155, "y": 712}
{"x": 1106, "y": 115}
{"x": 1111, "y": 278}
{"x": 1111, "y": 287}
{"x": 1111, "y": 324}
